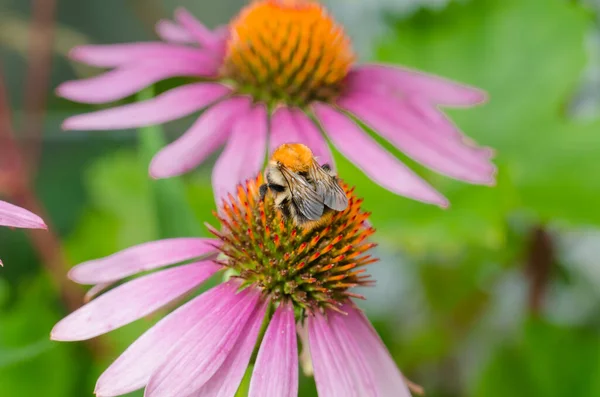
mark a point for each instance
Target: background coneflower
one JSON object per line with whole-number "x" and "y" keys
{"x": 282, "y": 70}
{"x": 13, "y": 216}
{"x": 280, "y": 276}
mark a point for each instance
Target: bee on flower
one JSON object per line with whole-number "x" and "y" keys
{"x": 281, "y": 71}
{"x": 296, "y": 280}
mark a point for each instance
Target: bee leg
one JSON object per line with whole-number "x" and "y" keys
{"x": 263, "y": 191}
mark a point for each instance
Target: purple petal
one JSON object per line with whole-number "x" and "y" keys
{"x": 132, "y": 301}
{"x": 168, "y": 106}
{"x": 204, "y": 36}
{"x": 276, "y": 370}
{"x": 13, "y": 216}
{"x": 202, "y": 349}
{"x": 388, "y": 379}
{"x": 397, "y": 123}
{"x": 132, "y": 369}
{"x": 142, "y": 257}
{"x": 373, "y": 159}
{"x": 171, "y": 32}
{"x": 208, "y": 133}
{"x": 244, "y": 154}
{"x": 406, "y": 81}
{"x": 338, "y": 363}
{"x": 120, "y": 83}
{"x": 113, "y": 55}
{"x": 312, "y": 137}
{"x": 228, "y": 378}
{"x": 282, "y": 129}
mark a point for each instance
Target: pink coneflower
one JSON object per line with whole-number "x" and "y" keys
{"x": 289, "y": 277}
{"x": 281, "y": 71}
{"x": 13, "y": 216}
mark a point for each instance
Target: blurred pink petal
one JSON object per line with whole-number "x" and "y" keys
{"x": 312, "y": 137}
{"x": 172, "y": 32}
{"x": 13, "y": 216}
{"x": 373, "y": 159}
{"x": 405, "y": 81}
{"x": 408, "y": 134}
{"x": 202, "y": 348}
{"x": 171, "y": 105}
{"x": 244, "y": 154}
{"x": 133, "y": 368}
{"x": 204, "y": 36}
{"x": 209, "y": 132}
{"x": 276, "y": 370}
{"x": 228, "y": 378}
{"x": 282, "y": 129}
{"x": 96, "y": 290}
{"x": 114, "y": 55}
{"x": 120, "y": 83}
{"x": 142, "y": 257}
{"x": 143, "y": 296}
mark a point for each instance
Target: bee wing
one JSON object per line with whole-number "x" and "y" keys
{"x": 329, "y": 189}
{"x": 304, "y": 196}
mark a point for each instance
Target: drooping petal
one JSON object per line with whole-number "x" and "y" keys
{"x": 120, "y": 83}
{"x": 172, "y": 32}
{"x": 208, "y": 133}
{"x": 338, "y": 363}
{"x": 13, "y": 216}
{"x": 405, "y": 81}
{"x": 204, "y": 36}
{"x": 409, "y": 134}
{"x": 168, "y": 106}
{"x": 142, "y": 257}
{"x": 373, "y": 159}
{"x": 113, "y": 55}
{"x": 228, "y": 378}
{"x": 133, "y": 368}
{"x": 276, "y": 370}
{"x": 388, "y": 379}
{"x": 244, "y": 154}
{"x": 202, "y": 349}
{"x": 132, "y": 301}
{"x": 312, "y": 137}
{"x": 282, "y": 129}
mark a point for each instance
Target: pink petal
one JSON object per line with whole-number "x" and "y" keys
{"x": 132, "y": 369}
{"x": 312, "y": 137}
{"x": 388, "y": 379}
{"x": 276, "y": 370}
{"x": 398, "y": 124}
{"x": 13, "y": 216}
{"x": 244, "y": 154}
{"x": 120, "y": 83}
{"x": 338, "y": 362}
{"x": 204, "y": 36}
{"x": 172, "y": 32}
{"x": 282, "y": 129}
{"x": 208, "y": 133}
{"x": 168, "y": 106}
{"x": 373, "y": 159}
{"x": 132, "y": 301}
{"x": 142, "y": 257}
{"x": 406, "y": 81}
{"x": 96, "y": 290}
{"x": 202, "y": 349}
{"x": 113, "y": 55}
{"x": 228, "y": 378}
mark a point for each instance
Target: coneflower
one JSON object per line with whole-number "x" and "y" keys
{"x": 280, "y": 278}
{"x": 281, "y": 71}
{"x": 13, "y": 216}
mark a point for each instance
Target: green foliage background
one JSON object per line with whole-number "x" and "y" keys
{"x": 453, "y": 309}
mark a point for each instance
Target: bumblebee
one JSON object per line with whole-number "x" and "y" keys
{"x": 302, "y": 190}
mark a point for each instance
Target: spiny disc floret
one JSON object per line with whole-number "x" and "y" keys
{"x": 313, "y": 268}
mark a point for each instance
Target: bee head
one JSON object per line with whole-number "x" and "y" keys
{"x": 294, "y": 156}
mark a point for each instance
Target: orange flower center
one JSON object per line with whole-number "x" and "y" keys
{"x": 287, "y": 51}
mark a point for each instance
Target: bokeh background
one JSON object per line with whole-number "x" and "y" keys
{"x": 497, "y": 296}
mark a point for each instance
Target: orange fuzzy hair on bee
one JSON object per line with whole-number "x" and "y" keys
{"x": 295, "y": 156}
